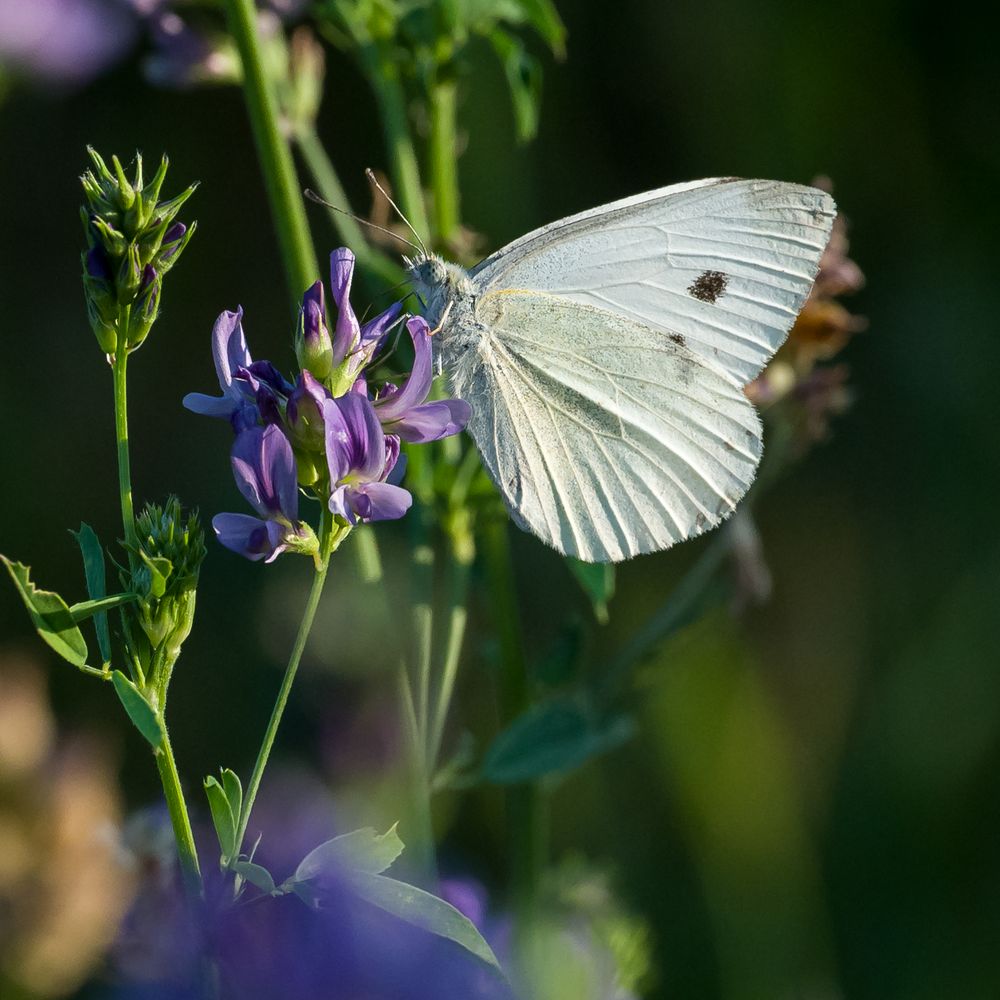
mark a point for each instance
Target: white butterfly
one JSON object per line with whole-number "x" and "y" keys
{"x": 605, "y": 356}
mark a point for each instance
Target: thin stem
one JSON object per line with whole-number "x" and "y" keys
{"x": 330, "y": 537}
{"x": 186, "y": 851}
{"x": 526, "y": 822}
{"x": 287, "y": 207}
{"x": 444, "y": 158}
{"x": 419, "y": 832}
{"x": 383, "y": 73}
{"x": 121, "y": 435}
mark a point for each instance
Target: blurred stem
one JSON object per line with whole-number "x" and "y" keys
{"x": 419, "y": 833}
{"x": 383, "y": 73}
{"x": 287, "y": 208}
{"x": 324, "y": 176}
{"x": 459, "y": 564}
{"x": 526, "y": 820}
{"x": 444, "y": 158}
{"x": 187, "y": 853}
{"x": 330, "y": 537}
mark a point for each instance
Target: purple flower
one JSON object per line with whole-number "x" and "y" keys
{"x": 403, "y": 410}
{"x": 360, "y": 458}
{"x": 229, "y": 351}
{"x": 354, "y": 345}
{"x": 64, "y": 41}
{"x": 184, "y": 56}
{"x": 264, "y": 467}
{"x": 304, "y": 413}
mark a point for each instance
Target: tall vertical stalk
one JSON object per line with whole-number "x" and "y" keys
{"x": 187, "y": 853}
{"x": 288, "y": 210}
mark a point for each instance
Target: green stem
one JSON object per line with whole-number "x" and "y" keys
{"x": 330, "y": 537}
{"x": 288, "y": 210}
{"x": 121, "y": 434}
{"x": 174, "y": 794}
{"x": 419, "y": 832}
{"x": 383, "y": 73}
{"x": 444, "y": 158}
{"x": 526, "y": 821}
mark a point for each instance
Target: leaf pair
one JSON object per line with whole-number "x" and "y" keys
{"x": 225, "y": 800}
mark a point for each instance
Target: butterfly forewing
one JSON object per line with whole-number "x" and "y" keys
{"x": 725, "y": 265}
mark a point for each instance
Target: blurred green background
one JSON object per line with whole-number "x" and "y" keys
{"x": 810, "y": 809}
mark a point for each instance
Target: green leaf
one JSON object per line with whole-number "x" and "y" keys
{"x": 554, "y": 736}
{"x": 256, "y": 875}
{"x": 524, "y": 78}
{"x": 160, "y": 568}
{"x": 423, "y": 910}
{"x": 96, "y": 574}
{"x": 544, "y": 18}
{"x": 50, "y": 615}
{"x": 222, "y": 816}
{"x": 139, "y": 710}
{"x": 83, "y": 610}
{"x": 360, "y": 851}
{"x": 234, "y": 791}
{"x": 598, "y": 583}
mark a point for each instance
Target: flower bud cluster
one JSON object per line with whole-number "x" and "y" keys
{"x": 133, "y": 239}
{"x": 169, "y": 550}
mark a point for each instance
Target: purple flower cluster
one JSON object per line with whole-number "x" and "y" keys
{"x": 329, "y": 431}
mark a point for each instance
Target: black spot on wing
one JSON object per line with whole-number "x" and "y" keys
{"x": 678, "y": 339}
{"x": 708, "y": 286}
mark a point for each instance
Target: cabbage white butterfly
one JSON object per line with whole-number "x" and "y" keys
{"x": 605, "y": 356}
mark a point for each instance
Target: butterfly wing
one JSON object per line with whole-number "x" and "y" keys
{"x": 724, "y": 264}
{"x": 605, "y": 437}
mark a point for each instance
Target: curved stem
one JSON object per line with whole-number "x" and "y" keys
{"x": 187, "y": 853}
{"x": 297, "y": 253}
{"x": 330, "y": 537}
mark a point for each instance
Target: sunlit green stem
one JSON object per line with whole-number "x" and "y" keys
{"x": 119, "y": 366}
{"x": 444, "y": 158}
{"x": 419, "y": 830}
{"x": 331, "y": 535}
{"x": 283, "y": 192}
{"x": 383, "y": 73}
{"x": 526, "y": 822}
{"x": 186, "y": 851}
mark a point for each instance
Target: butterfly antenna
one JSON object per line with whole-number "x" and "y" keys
{"x": 312, "y": 196}
{"x": 370, "y": 174}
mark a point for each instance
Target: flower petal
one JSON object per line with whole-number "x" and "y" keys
{"x": 368, "y": 439}
{"x": 374, "y": 331}
{"x": 229, "y": 346}
{"x": 209, "y": 406}
{"x": 386, "y": 502}
{"x": 265, "y": 471}
{"x": 346, "y": 331}
{"x": 250, "y": 536}
{"x": 414, "y": 391}
{"x": 432, "y": 421}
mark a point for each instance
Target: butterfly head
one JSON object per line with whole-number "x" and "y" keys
{"x": 439, "y": 284}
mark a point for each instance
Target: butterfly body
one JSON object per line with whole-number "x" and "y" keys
{"x": 605, "y": 356}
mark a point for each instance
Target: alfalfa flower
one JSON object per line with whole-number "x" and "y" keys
{"x": 264, "y": 468}
{"x": 361, "y": 459}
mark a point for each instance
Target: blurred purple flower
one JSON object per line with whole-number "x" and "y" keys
{"x": 403, "y": 411}
{"x": 63, "y": 41}
{"x": 361, "y": 458}
{"x": 265, "y": 472}
{"x": 354, "y": 345}
{"x": 185, "y": 56}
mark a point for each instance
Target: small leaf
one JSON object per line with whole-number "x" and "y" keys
{"x": 554, "y": 736}
{"x": 598, "y": 583}
{"x": 423, "y": 910}
{"x": 222, "y": 816}
{"x": 234, "y": 791}
{"x": 139, "y": 710}
{"x": 256, "y": 875}
{"x": 83, "y": 610}
{"x": 160, "y": 568}
{"x": 50, "y": 615}
{"x": 360, "y": 851}
{"x": 96, "y": 574}
{"x": 544, "y": 18}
